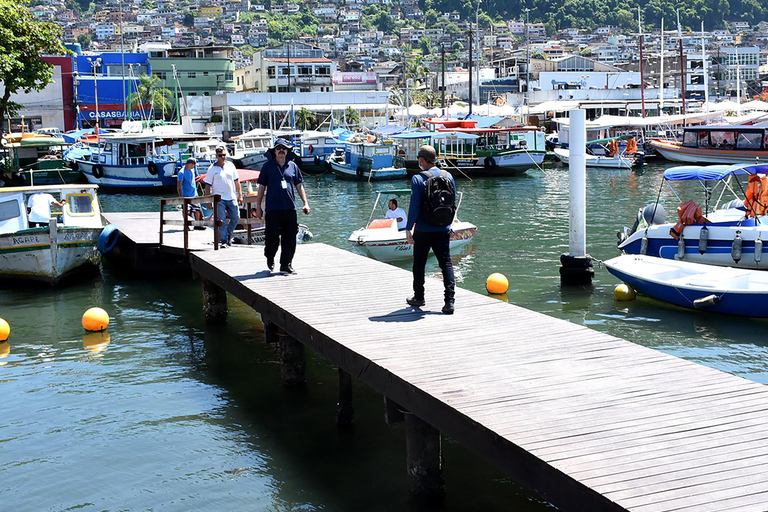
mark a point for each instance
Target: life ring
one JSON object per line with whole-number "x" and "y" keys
{"x": 311, "y": 148}
{"x": 371, "y": 138}
{"x": 765, "y": 141}
{"x": 108, "y": 239}
{"x": 153, "y": 169}
{"x": 98, "y": 171}
{"x": 401, "y": 152}
{"x": 489, "y": 163}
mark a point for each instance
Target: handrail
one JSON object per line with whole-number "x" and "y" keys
{"x": 186, "y": 202}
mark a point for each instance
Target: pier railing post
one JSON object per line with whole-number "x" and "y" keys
{"x": 292, "y": 360}
{"x": 214, "y": 302}
{"x": 424, "y": 458}
{"x": 345, "y": 412}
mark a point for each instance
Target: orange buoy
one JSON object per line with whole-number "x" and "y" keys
{"x": 95, "y": 319}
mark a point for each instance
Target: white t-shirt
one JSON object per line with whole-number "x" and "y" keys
{"x": 395, "y": 214}
{"x": 223, "y": 180}
{"x": 40, "y": 206}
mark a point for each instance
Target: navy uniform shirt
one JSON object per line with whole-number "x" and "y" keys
{"x": 279, "y": 198}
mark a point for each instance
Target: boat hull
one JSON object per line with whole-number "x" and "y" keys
{"x": 604, "y": 162}
{"x": 348, "y": 172}
{"x": 695, "y": 286}
{"x": 677, "y": 153}
{"x": 132, "y": 178}
{"x": 393, "y": 246}
{"x": 38, "y": 254}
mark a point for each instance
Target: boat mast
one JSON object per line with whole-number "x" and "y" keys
{"x": 661, "y": 79}
{"x": 442, "y": 51}
{"x": 642, "y": 80}
{"x": 682, "y": 68}
{"x": 470, "y": 72}
{"x": 704, "y": 67}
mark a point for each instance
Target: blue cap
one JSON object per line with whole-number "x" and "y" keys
{"x": 282, "y": 142}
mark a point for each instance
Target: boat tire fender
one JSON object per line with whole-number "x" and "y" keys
{"x": 317, "y": 160}
{"x": 490, "y": 162}
{"x": 706, "y": 302}
{"x": 98, "y": 171}
{"x": 108, "y": 239}
{"x": 152, "y": 168}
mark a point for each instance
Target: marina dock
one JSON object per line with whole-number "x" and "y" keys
{"x": 588, "y": 421}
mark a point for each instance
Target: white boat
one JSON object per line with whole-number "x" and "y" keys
{"x": 250, "y": 148}
{"x": 124, "y": 162}
{"x": 369, "y": 161}
{"x": 258, "y": 236}
{"x": 733, "y": 291}
{"x": 730, "y": 233}
{"x": 599, "y": 155}
{"x": 381, "y": 240}
{"x": 50, "y": 253}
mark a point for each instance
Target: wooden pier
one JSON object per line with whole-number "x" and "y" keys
{"x": 588, "y": 421}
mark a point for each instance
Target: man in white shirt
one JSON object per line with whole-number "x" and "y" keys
{"x": 39, "y": 208}
{"x": 222, "y": 179}
{"x": 395, "y": 212}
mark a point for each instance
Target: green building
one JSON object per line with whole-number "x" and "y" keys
{"x": 201, "y": 70}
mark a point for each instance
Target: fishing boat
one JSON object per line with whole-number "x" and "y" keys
{"x": 65, "y": 245}
{"x": 125, "y": 162}
{"x": 469, "y": 150}
{"x": 733, "y": 291}
{"x": 724, "y": 144}
{"x": 250, "y": 148}
{"x": 726, "y": 230}
{"x": 381, "y": 240}
{"x": 606, "y": 153}
{"x": 36, "y": 159}
{"x": 313, "y": 150}
{"x": 371, "y": 161}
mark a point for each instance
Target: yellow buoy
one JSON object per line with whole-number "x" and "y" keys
{"x": 496, "y": 284}
{"x": 5, "y": 330}
{"x": 623, "y": 292}
{"x": 95, "y": 319}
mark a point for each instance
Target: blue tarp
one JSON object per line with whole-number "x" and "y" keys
{"x": 416, "y": 134}
{"x": 484, "y": 121}
{"x": 389, "y": 129}
{"x": 711, "y": 172}
{"x": 342, "y": 134}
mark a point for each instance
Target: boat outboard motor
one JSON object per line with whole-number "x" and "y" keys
{"x": 639, "y": 159}
{"x": 648, "y": 215}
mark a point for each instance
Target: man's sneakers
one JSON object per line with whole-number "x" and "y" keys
{"x": 271, "y": 264}
{"x": 448, "y": 307}
{"x": 415, "y": 302}
{"x": 287, "y": 269}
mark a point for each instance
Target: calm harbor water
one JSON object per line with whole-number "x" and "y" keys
{"x": 164, "y": 413}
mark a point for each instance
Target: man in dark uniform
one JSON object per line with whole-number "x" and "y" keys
{"x": 280, "y": 176}
{"x": 427, "y": 236}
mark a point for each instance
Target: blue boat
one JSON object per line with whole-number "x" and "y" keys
{"x": 728, "y": 290}
{"x": 730, "y": 232}
{"x": 368, "y": 161}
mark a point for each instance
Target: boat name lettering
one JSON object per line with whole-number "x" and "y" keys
{"x": 67, "y": 237}
{"x": 24, "y": 240}
{"x": 402, "y": 247}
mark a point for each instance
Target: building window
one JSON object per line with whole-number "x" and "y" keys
{"x": 305, "y": 70}
{"x": 191, "y": 74}
{"x": 205, "y": 73}
{"x": 271, "y": 71}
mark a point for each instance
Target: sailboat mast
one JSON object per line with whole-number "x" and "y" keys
{"x": 682, "y": 66}
{"x": 470, "y": 71}
{"x": 642, "y": 79}
{"x": 704, "y": 67}
{"x": 661, "y": 78}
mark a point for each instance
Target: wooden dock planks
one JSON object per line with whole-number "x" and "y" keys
{"x": 589, "y": 421}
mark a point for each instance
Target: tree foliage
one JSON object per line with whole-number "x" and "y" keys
{"x": 22, "y": 40}
{"x": 304, "y": 119}
{"x": 149, "y": 94}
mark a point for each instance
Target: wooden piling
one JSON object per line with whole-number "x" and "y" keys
{"x": 214, "y": 302}
{"x": 292, "y": 360}
{"x": 345, "y": 412}
{"x": 424, "y": 458}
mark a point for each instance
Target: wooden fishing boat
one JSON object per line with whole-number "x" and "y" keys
{"x": 726, "y": 144}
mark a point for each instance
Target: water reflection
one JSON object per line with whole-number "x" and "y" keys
{"x": 5, "y": 350}
{"x": 96, "y": 342}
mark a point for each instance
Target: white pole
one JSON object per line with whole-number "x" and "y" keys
{"x": 704, "y": 67}
{"x": 577, "y": 175}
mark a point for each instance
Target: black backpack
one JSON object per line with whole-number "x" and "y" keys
{"x": 438, "y": 205}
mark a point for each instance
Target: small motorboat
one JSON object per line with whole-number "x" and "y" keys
{"x": 605, "y": 153}
{"x": 728, "y": 231}
{"x": 734, "y": 291}
{"x": 381, "y": 240}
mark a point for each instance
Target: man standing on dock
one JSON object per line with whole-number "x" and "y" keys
{"x": 280, "y": 221}
{"x": 222, "y": 179}
{"x": 427, "y": 235}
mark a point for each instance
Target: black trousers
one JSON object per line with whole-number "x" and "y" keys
{"x": 280, "y": 229}
{"x": 439, "y": 242}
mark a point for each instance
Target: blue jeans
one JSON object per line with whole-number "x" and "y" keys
{"x": 228, "y": 207}
{"x": 439, "y": 242}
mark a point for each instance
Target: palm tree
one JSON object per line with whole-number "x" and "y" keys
{"x": 352, "y": 116}
{"x": 149, "y": 94}
{"x": 416, "y": 69}
{"x": 304, "y": 119}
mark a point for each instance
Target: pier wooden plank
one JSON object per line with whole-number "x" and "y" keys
{"x": 589, "y": 421}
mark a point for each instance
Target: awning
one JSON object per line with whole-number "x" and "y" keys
{"x": 320, "y": 107}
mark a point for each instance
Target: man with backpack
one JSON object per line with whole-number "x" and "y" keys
{"x": 432, "y": 209}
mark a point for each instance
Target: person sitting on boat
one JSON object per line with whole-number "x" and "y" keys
{"x": 395, "y": 212}
{"x": 39, "y": 208}
{"x": 185, "y": 186}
